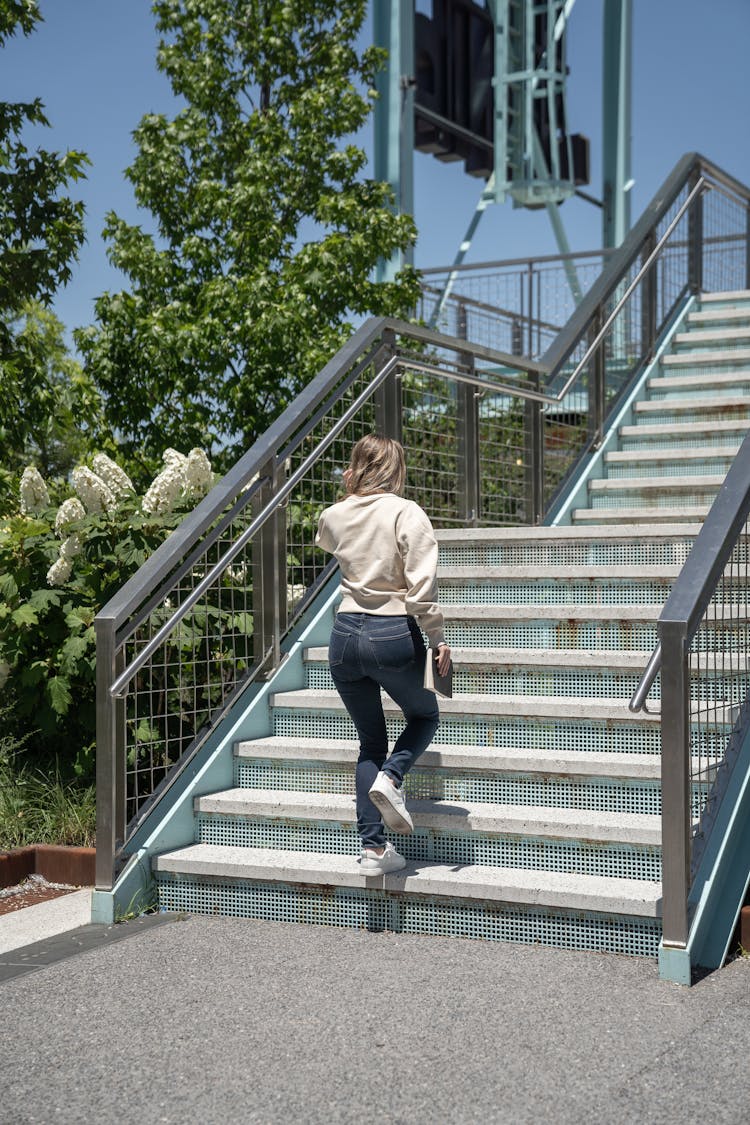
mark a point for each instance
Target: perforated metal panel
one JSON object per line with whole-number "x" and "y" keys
{"x": 600, "y": 795}
{"x": 334, "y": 838}
{"x": 679, "y": 440}
{"x": 690, "y": 414}
{"x": 654, "y": 499}
{"x": 542, "y": 592}
{"x": 715, "y": 466}
{"x": 377, "y": 911}
{"x": 574, "y": 682}
{"x": 631, "y": 635}
{"x": 560, "y": 734}
{"x": 565, "y": 553}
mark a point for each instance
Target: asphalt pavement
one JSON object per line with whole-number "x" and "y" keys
{"x": 221, "y": 1020}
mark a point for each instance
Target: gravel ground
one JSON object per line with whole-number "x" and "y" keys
{"x": 32, "y": 890}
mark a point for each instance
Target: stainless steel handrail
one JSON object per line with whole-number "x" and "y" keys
{"x": 119, "y": 687}
{"x": 635, "y": 282}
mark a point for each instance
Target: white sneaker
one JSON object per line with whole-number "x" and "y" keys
{"x": 390, "y": 803}
{"x": 373, "y": 864}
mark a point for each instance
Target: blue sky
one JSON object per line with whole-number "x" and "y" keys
{"x": 92, "y": 63}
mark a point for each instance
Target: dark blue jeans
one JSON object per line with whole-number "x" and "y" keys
{"x": 366, "y": 652}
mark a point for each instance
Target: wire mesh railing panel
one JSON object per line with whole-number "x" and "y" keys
{"x": 503, "y": 445}
{"x": 517, "y": 307}
{"x": 429, "y": 428}
{"x": 192, "y": 674}
{"x": 719, "y": 670}
{"x": 725, "y": 234}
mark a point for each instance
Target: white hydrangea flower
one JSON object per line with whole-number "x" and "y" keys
{"x": 96, "y": 495}
{"x": 70, "y": 511}
{"x": 173, "y": 457}
{"x": 59, "y": 573}
{"x": 34, "y": 494}
{"x": 70, "y": 547}
{"x": 165, "y": 489}
{"x": 198, "y": 475}
{"x": 116, "y": 479}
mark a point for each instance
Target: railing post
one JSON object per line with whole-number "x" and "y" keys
{"x": 695, "y": 236}
{"x": 388, "y": 398}
{"x": 467, "y": 426}
{"x": 675, "y": 782}
{"x": 269, "y": 572}
{"x": 648, "y": 300}
{"x": 597, "y": 381}
{"x": 747, "y": 245}
{"x": 533, "y": 457}
{"x": 108, "y": 792}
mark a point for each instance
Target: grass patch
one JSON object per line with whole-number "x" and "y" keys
{"x": 40, "y": 806}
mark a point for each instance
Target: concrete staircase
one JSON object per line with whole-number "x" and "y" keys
{"x": 537, "y": 807}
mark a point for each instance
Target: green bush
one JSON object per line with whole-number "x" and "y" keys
{"x": 52, "y": 584}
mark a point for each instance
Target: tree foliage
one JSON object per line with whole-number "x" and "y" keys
{"x": 41, "y": 229}
{"x": 266, "y": 232}
{"x": 49, "y": 407}
{"x": 44, "y": 395}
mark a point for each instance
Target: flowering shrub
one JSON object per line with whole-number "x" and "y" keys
{"x": 57, "y": 569}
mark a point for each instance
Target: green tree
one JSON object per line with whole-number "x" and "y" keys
{"x": 267, "y": 232}
{"x": 43, "y": 394}
{"x": 49, "y": 408}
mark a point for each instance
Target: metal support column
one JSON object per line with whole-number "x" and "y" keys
{"x": 648, "y": 300}
{"x": 675, "y": 782}
{"x": 388, "y": 406}
{"x": 747, "y": 247}
{"x": 394, "y": 114}
{"x": 467, "y": 417}
{"x": 695, "y": 237}
{"x": 616, "y": 121}
{"x": 107, "y": 789}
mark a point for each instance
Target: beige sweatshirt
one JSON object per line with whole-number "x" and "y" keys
{"x": 386, "y": 549}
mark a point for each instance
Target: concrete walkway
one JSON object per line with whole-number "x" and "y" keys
{"x": 217, "y": 1020}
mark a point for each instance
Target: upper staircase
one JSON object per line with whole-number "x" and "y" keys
{"x": 537, "y": 807}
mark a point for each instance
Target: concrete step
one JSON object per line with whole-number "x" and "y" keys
{"x": 711, "y": 336}
{"x": 325, "y": 751}
{"x": 493, "y": 884}
{"x": 646, "y": 486}
{"x": 727, "y": 314}
{"x": 700, "y": 358}
{"x": 732, "y": 296}
{"x": 537, "y": 706}
{"x": 654, "y": 457}
{"x": 712, "y": 432}
{"x": 443, "y": 816}
{"x": 658, "y": 386}
{"x": 477, "y": 659}
{"x": 690, "y": 512}
{"x": 691, "y": 403}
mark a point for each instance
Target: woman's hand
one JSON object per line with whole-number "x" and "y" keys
{"x": 443, "y": 659}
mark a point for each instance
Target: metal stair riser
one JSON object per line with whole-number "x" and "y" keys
{"x": 557, "y": 591}
{"x": 582, "y": 857}
{"x": 545, "y": 734}
{"x": 519, "y": 789}
{"x": 671, "y": 415}
{"x": 676, "y": 440}
{"x": 628, "y": 553}
{"x": 380, "y": 911}
{"x": 714, "y": 466}
{"x": 563, "y": 682}
{"x": 666, "y": 498}
{"x": 562, "y": 634}
{"x": 715, "y": 390}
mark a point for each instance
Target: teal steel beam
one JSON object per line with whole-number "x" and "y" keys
{"x": 616, "y": 121}
{"x": 394, "y": 114}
